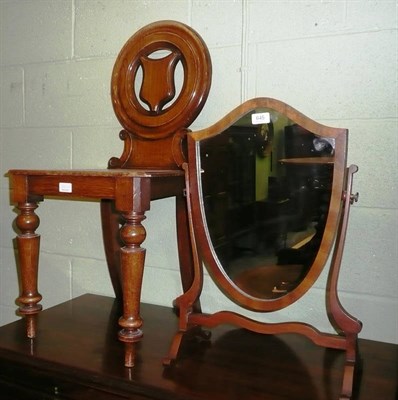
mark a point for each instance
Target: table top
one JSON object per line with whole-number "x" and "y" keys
{"x": 77, "y": 341}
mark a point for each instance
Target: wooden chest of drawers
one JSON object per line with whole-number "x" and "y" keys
{"x": 77, "y": 356}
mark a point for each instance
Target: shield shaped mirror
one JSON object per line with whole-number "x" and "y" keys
{"x": 268, "y": 197}
{"x": 268, "y": 184}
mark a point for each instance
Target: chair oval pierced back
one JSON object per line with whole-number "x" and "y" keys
{"x": 144, "y": 97}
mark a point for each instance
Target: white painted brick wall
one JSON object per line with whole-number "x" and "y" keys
{"x": 35, "y": 31}
{"x": 336, "y": 61}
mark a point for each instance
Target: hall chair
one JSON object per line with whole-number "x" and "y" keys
{"x": 155, "y": 117}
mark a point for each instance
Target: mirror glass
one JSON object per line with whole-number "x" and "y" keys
{"x": 266, "y": 184}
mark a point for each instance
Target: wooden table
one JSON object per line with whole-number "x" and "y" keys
{"x": 76, "y": 355}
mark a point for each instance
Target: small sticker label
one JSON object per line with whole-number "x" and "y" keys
{"x": 261, "y": 118}
{"x": 65, "y": 187}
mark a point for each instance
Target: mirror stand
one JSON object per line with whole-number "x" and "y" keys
{"x": 219, "y": 258}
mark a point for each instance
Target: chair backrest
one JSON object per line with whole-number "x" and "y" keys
{"x": 155, "y": 118}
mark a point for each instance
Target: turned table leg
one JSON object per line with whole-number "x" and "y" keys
{"x": 28, "y": 243}
{"x": 132, "y": 258}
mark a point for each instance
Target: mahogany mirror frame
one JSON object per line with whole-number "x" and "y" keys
{"x": 199, "y": 217}
{"x": 347, "y": 327}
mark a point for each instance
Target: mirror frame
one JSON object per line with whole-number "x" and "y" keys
{"x": 202, "y": 234}
{"x": 192, "y": 319}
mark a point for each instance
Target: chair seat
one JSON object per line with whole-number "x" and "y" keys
{"x": 92, "y": 173}
{"x": 95, "y": 183}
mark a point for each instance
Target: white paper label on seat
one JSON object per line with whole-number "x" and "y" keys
{"x": 65, "y": 187}
{"x": 261, "y": 118}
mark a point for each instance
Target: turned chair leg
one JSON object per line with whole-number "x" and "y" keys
{"x": 28, "y": 243}
{"x": 132, "y": 258}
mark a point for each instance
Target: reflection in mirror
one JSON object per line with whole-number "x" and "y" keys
{"x": 267, "y": 186}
